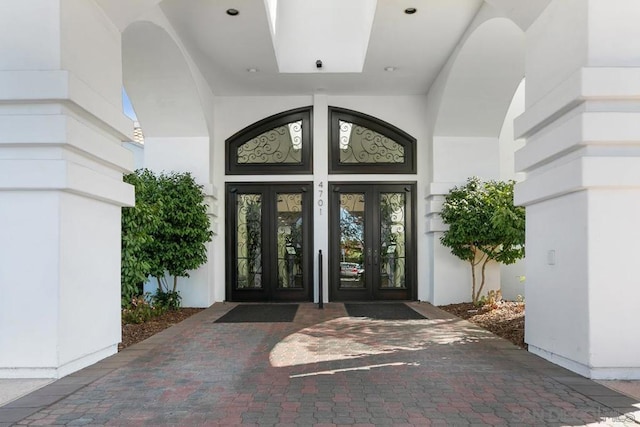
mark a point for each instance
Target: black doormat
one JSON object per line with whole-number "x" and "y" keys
{"x": 383, "y": 311}
{"x": 265, "y": 313}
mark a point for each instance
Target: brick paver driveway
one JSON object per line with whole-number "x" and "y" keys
{"x": 324, "y": 368}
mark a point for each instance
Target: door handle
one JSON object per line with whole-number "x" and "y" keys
{"x": 369, "y": 256}
{"x": 375, "y": 258}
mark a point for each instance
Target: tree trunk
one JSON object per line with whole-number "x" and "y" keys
{"x": 175, "y": 283}
{"x": 484, "y": 266}
{"x": 473, "y": 282}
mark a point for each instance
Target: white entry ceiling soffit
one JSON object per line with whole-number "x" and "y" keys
{"x": 271, "y": 46}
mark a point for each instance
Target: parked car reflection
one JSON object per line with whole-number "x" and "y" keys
{"x": 351, "y": 269}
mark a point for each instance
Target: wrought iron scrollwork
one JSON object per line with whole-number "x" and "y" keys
{"x": 249, "y": 241}
{"x": 393, "y": 240}
{"x": 290, "y": 240}
{"x": 282, "y": 144}
{"x": 359, "y": 144}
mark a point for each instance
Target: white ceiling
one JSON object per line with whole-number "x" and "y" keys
{"x": 225, "y": 47}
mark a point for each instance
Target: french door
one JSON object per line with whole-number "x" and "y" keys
{"x": 372, "y": 247}
{"x": 269, "y": 242}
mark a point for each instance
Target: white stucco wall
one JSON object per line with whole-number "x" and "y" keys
{"x": 30, "y": 41}
{"x": 179, "y": 154}
{"x": 513, "y": 276}
{"x": 458, "y": 158}
{"x": 613, "y": 285}
{"x": 558, "y": 277}
{"x": 101, "y": 68}
{"x": 138, "y": 153}
{"x": 34, "y": 237}
{"x": 79, "y": 300}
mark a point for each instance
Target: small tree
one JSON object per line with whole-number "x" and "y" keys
{"x": 484, "y": 225}
{"x": 166, "y": 232}
{"x": 179, "y": 242}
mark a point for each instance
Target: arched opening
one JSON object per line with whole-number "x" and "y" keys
{"x": 479, "y": 90}
{"x": 162, "y": 89}
{"x": 471, "y": 137}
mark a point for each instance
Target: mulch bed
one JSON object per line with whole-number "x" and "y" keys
{"x": 134, "y": 333}
{"x": 505, "y": 319}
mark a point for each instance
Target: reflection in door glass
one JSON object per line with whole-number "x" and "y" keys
{"x": 289, "y": 240}
{"x": 249, "y": 238}
{"x": 352, "y": 240}
{"x": 392, "y": 240}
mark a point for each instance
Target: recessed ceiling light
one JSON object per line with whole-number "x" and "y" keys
{"x": 232, "y": 12}
{"x": 410, "y": 10}
{"x": 252, "y": 70}
{"x": 390, "y": 69}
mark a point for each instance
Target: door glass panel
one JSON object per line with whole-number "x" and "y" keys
{"x": 249, "y": 241}
{"x": 392, "y": 240}
{"x": 352, "y": 210}
{"x": 290, "y": 245}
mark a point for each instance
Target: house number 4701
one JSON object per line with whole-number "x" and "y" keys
{"x": 320, "y": 192}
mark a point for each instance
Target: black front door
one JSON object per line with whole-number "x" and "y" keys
{"x": 269, "y": 242}
{"x": 372, "y": 247}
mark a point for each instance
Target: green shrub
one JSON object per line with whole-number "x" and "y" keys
{"x": 166, "y": 232}
{"x": 168, "y": 300}
{"x": 140, "y": 310}
{"x": 180, "y": 242}
{"x": 138, "y": 225}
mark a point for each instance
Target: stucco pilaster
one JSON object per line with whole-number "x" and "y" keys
{"x": 61, "y": 189}
{"x": 582, "y": 190}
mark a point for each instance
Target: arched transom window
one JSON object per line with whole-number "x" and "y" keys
{"x": 364, "y": 144}
{"x": 277, "y": 144}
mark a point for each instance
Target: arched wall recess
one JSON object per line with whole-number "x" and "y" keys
{"x": 482, "y": 81}
{"x": 160, "y": 84}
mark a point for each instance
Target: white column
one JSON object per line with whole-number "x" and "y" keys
{"x": 582, "y": 191}
{"x": 321, "y": 192}
{"x": 61, "y": 188}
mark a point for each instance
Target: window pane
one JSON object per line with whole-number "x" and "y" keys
{"x": 279, "y": 145}
{"x": 392, "y": 240}
{"x": 290, "y": 242}
{"x": 352, "y": 240}
{"x": 359, "y": 144}
{"x": 249, "y": 238}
